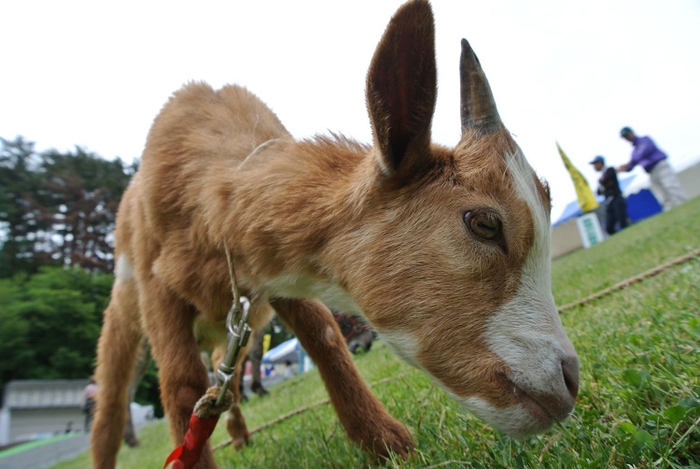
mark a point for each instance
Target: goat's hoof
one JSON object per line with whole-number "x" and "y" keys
{"x": 259, "y": 389}
{"x": 393, "y": 438}
{"x": 240, "y": 442}
{"x": 238, "y": 431}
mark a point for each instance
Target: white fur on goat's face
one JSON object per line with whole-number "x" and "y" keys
{"x": 526, "y": 333}
{"x": 478, "y": 317}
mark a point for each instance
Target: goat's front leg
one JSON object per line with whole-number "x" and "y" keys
{"x": 183, "y": 377}
{"x": 359, "y": 411}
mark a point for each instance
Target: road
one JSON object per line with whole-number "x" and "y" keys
{"x": 49, "y": 454}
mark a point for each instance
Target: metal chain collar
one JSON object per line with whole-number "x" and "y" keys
{"x": 238, "y": 333}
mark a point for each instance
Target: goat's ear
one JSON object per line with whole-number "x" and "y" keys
{"x": 402, "y": 89}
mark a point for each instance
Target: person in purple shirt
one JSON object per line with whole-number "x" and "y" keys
{"x": 664, "y": 183}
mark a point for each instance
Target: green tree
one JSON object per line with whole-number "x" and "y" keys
{"x": 57, "y": 215}
{"x": 19, "y": 221}
{"x": 57, "y": 208}
{"x": 51, "y": 323}
{"x": 82, "y": 197}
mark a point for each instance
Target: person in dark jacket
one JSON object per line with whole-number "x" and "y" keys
{"x": 615, "y": 205}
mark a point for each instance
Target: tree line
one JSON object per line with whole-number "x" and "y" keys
{"x": 57, "y": 216}
{"x": 57, "y": 209}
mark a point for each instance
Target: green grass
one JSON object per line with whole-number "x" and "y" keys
{"x": 639, "y": 401}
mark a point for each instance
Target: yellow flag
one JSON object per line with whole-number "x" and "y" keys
{"x": 266, "y": 343}
{"x": 584, "y": 194}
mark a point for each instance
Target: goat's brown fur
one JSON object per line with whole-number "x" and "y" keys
{"x": 379, "y": 228}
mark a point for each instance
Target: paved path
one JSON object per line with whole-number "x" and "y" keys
{"x": 49, "y": 454}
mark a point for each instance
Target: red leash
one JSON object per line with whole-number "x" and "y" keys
{"x": 186, "y": 455}
{"x": 202, "y": 423}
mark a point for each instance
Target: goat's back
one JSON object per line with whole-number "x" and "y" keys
{"x": 200, "y": 134}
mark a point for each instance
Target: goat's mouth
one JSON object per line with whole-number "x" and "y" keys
{"x": 544, "y": 408}
{"x": 541, "y": 415}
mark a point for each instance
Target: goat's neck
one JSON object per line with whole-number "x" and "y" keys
{"x": 290, "y": 206}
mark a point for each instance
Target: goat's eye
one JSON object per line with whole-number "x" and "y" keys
{"x": 484, "y": 224}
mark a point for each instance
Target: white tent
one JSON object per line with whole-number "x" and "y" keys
{"x": 286, "y": 351}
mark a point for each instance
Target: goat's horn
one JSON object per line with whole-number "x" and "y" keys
{"x": 478, "y": 108}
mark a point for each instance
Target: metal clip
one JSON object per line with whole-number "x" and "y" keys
{"x": 238, "y": 335}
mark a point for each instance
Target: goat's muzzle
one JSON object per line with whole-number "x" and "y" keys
{"x": 548, "y": 408}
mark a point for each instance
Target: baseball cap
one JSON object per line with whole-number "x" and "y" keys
{"x": 598, "y": 159}
{"x": 625, "y": 131}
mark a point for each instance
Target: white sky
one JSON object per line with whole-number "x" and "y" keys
{"x": 95, "y": 74}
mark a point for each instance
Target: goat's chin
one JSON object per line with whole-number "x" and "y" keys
{"x": 520, "y": 420}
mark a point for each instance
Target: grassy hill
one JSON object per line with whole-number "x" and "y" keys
{"x": 639, "y": 401}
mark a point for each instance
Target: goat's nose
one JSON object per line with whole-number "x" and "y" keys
{"x": 569, "y": 368}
